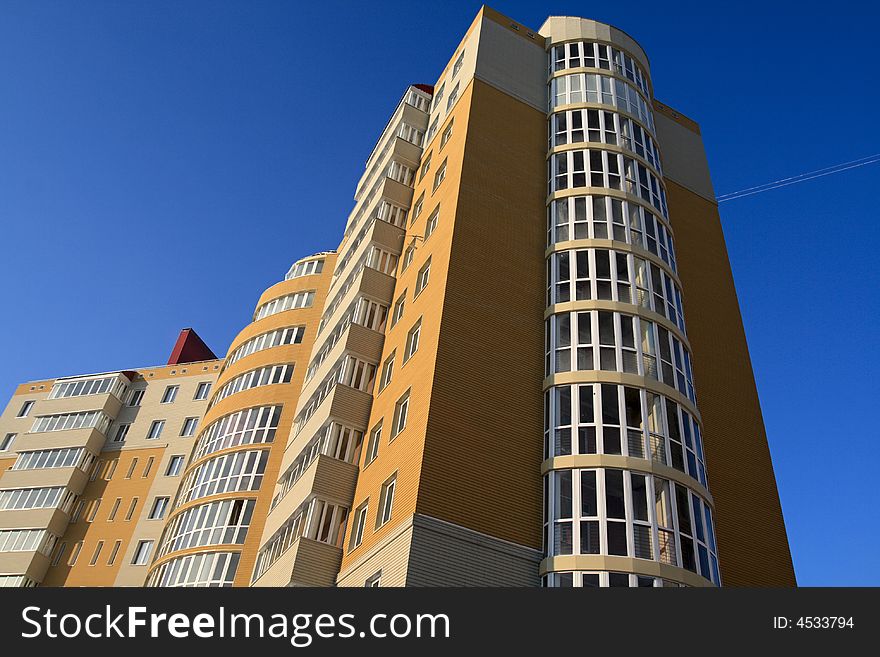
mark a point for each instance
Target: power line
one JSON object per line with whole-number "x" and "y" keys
{"x": 784, "y": 182}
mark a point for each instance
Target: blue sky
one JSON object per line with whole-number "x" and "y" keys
{"x": 161, "y": 163}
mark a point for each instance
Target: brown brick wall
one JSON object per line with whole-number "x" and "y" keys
{"x": 752, "y": 543}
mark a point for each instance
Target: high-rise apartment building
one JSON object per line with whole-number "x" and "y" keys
{"x": 524, "y": 364}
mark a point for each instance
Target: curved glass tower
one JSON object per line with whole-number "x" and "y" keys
{"x": 625, "y": 487}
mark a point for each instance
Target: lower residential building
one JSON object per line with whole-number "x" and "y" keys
{"x": 523, "y": 365}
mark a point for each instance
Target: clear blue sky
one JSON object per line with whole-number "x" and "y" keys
{"x": 161, "y": 163}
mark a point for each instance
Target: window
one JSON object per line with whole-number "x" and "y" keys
{"x": 458, "y": 64}
{"x": 308, "y": 268}
{"x": 83, "y": 420}
{"x": 97, "y": 553}
{"x": 374, "y": 581}
{"x": 213, "y": 523}
{"x": 440, "y": 176}
{"x": 74, "y": 553}
{"x": 452, "y": 98}
{"x": 289, "y": 302}
{"x": 248, "y": 426}
{"x": 16, "y": 499}
{"x": 381, "y": 260}
{"x": 357, "y": 527}
{"x": 263, "y": 376}
{"x": 77, "y": 511}
{"x": 401, "y": 410}
{"x": 170, "y": 394}
{"x": 121, "y": 433}
{"x": 408, "y": 256}
{"x": 175, "y": 465}
{"x": 431, "y": 224}
{"x": 204, "y": 388}
{"x": 131, "y": 508}
{"x": 94, "y": 505}
{"x": 69, "y": 457}
{"x": 276, "y": 338}
{"x": 155, "y": 429}
{"x": 418, "y": 207}
{"x": 114, "y": 553}
{"x": 58, "y": 554}
{"x": 426, "y": 166}
{"x": 387, "y": 371}
{"x": 148, "y": 467}
{"x": 412, "y": 340}
{"x": 386, "y": 501}
{"x": 438, "y": 96}
{"x": 114, "y": 510}
{"x": 422, "y": 278}
{"x": 131, "y": 466}
{"x": 160, "y": 506}
{"x": 142, "y": 553}
{"x": 136, "y": 396}
{"x": 447, "y": 134}
{"x": 26, "y": 408}
{"x": 227, "y": 473}
{"x": 373, "y": 444}
{"x": 202, "y": 569}
{"x": 432, "y": 130}
{"x": 81, "y": 387}
{"x": 6, "y": 443}
{"x": 189, "y": 426}
{"x": 397, "y": 315}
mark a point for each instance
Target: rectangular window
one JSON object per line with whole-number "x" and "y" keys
{"x": 77, "y": 511}
{"x": 401, "y": 411}
{"x": 422, "y": 278}
{"x": 202, "y": 391}
{"x": 452, "y": 98}
{"x": 438, "y": 96}
{"x": 170, "y": 394}
{"x": 97, "y": 553}
{"x": 373, "y": 444}
{"x": 447, "y": 133}
{"x": 114, "y": 553}
{"x": 458, "y": 64}
{"x": 387, "y": 371}
{"x": 175, "y": 465}
{"x": 408, "y": 256}
{"x": 114, "y": 510}
{"x": 189, "y": 427}
{"x": 131, "y": 508}
{"x": 357, "y": 527}
{"x": 440, "y": 176}
{"x": 26, "y": 408}
{"x": 160, "y": 506}
{"x": 426, "y": 166}
{"x": 155, "y": 429}
{"x": 142, "y": 553}
{"x": 135, "y": 397}
{"x": 74, "y": 553}
{"x": 398, "y": 310}
{"x": 6, "y": 443}
{"x": 418, "y": 207}
{"x": 121, "y": 433}
{"x": 374, "y": 581}
{"x": 412, "y": 340}
{"x": 131, "y": 468}
{"x": 431, "y": 224}
{"x": 58, "y": 554}
{"x": 386, "y": 501}
{"x": 93, "y": 510}
{"x": 148, "y": 467}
